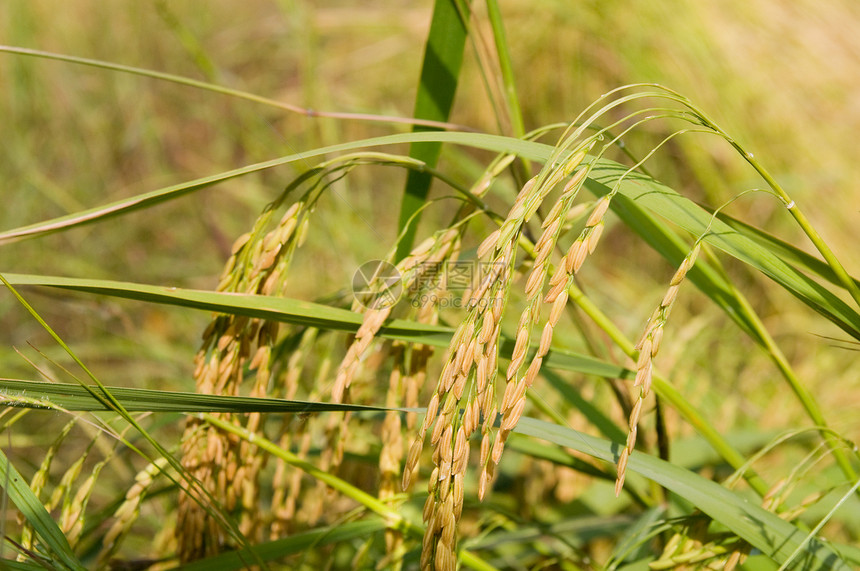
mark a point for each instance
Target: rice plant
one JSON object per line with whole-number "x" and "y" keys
{"x": 472, "y": 368}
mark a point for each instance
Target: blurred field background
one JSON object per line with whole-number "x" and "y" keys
{"x": 780, "y": 76}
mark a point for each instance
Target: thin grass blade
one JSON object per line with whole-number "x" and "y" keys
{"x": 440, "y": 73}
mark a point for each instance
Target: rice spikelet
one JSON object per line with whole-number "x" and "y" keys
{"x": 648, "y": 346}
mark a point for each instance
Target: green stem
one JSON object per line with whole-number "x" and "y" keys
{"x": 807, "y": 399}
{"x": 813, "y": 235}
{"x": 841, "y": 273}
{"x": 507, "y": 69}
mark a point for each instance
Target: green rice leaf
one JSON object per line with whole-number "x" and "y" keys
{"x": 639, "y": 191}
{"x": 302, "y": 313}
{"x": 764, "y": 530}
{"x": 74, "y": 397}
{"x": 36, "y": 515}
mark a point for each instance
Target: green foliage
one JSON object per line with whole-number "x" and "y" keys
{"x": 710, "y": 485}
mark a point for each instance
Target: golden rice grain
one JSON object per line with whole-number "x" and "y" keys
{"x": 498, "y": 446}
{"x": 559, "y": 276}
{"x": 577, "y": 257}
{"x": 656, "y": 339}
{"x": 524, "y": 192}
{"x": 481, "y": 373}
{"x": 634, "y": 414}
{"x": 554, "y": 214}
{"x": 644, "y": 353}
{"x": 473, "y": 351}
{"x": 457, "y": 490}
{"x": 485, "y": 448}
{"x": 449, "y": 407}
{"x": 557, "y": 307}
{"x": 470, "y": 422}
{"x": 571, "y": 256}
{"x": 594, "y": 237}
{"x": 488, "y": 400}
{"x": 447, "y": 439}
{"x": 532, "y": 372}
{"x": 412, "y": 458}
{"x": 488, "y": 245}
{"x": 487, "y": 327}
{"x": 556, "y": 290}
{"x": 576, "y": 159}
{"x": 575, "y": 181}
{"x": 534, "y": 281}
{"x": 476, "y": 407}
{"x": 514, "y": 366}
{"x": 428, "y": 508}
{"x": 483, "y": 481}
{"x": 550, "y": 226}
{"x": 545, "y": 340}
{"x": 621, "y": 470}
{"x": 508, "y": 396}
{"x": 598, "y": 212}
{"x": 643, "y": 376}
{"x": 510, "y": 420}
{"x": 458, "y": 386}
{"x": 459, "y": 442}
{"x": 438, "y": 428}
{"x": 671, "y": 294}
{"x": 460, "y": 461}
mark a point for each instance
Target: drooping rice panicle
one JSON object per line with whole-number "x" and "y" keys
{"x": 467, "y": 380}
{"x": 434, "y": 251}
{"x": 229, "y": 469}
{"x": 517, "y": 382}
{"x": 286, "y": 481}
{"x": 648, "y": 346}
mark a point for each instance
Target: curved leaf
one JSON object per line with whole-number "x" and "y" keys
{"x": 636, "y": 188}
{"x": 302, "y": 313}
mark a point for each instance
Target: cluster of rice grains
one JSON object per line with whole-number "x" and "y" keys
{"x": 408, "y": 366}
{"x": 465, "y": 398}
{"x": 226, "y": 466}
